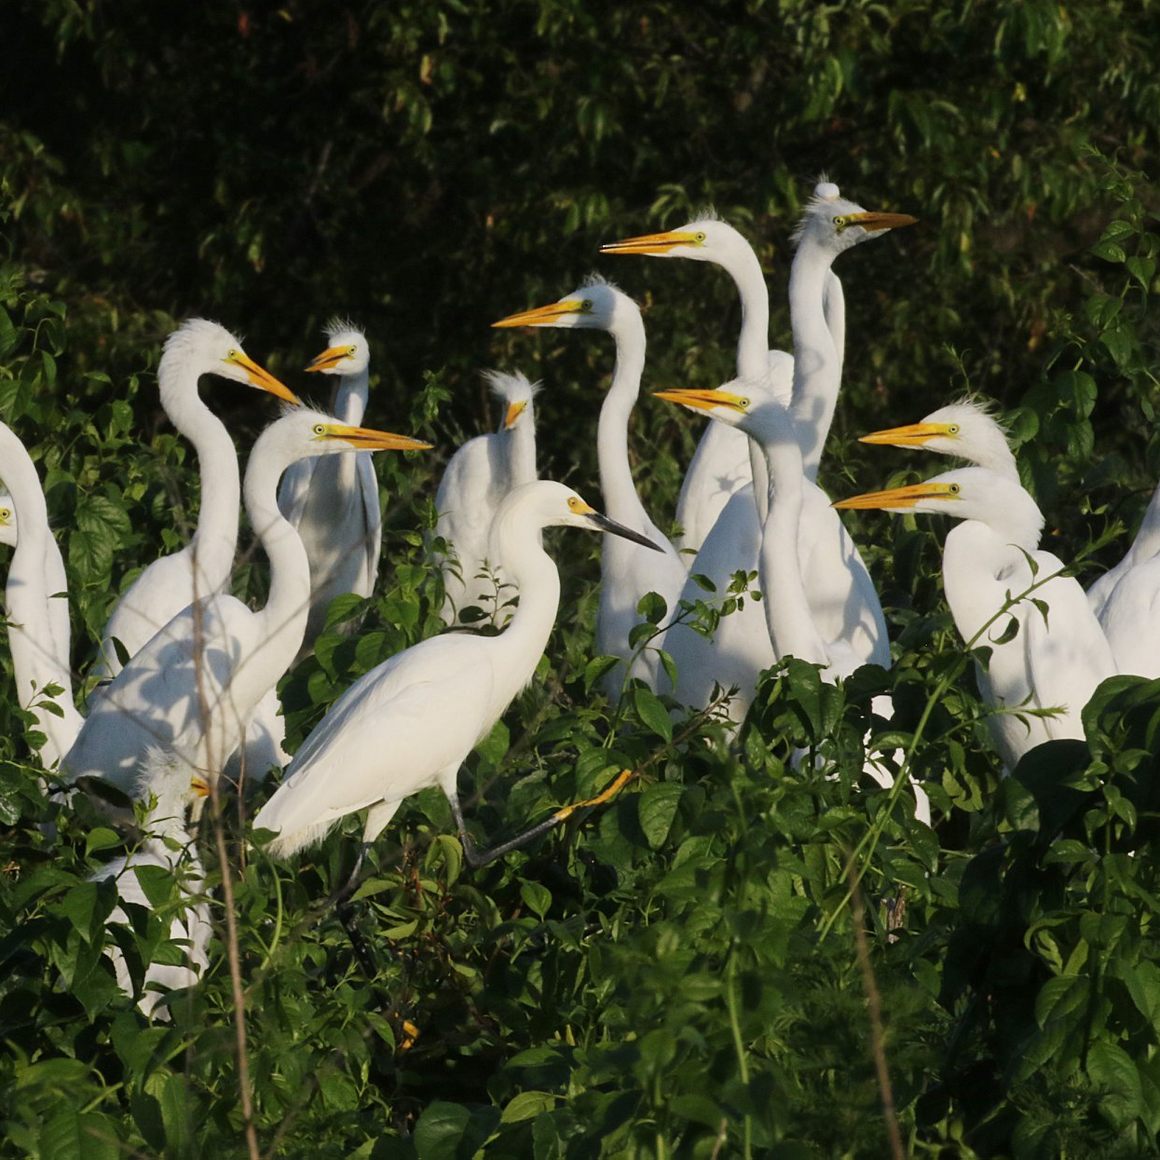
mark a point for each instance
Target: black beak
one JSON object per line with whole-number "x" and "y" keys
{"x": 607, "y": 525}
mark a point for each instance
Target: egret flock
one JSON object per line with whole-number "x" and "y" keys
{"x": 188, "y": 704}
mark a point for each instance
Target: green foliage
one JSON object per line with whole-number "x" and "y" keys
{"x": 674, "y": 973}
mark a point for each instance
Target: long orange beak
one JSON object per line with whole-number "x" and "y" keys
{"x": 660, "y": 243}
{"x": 913, "y": 435}
{"x": 876, "y": 222}
{"x": 512, "y": 414}
{"x": 698, "y": 400}
{"x": 262, "y": 379}
{"x": 898, "y": 498}
{"x": 329, "y": 358}
{"x": 542, "y": 315}
{"x": 368, "y": 439}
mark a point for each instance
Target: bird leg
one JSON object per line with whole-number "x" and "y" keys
{"x": 342, "y": 909}
{"x": 477, "y": 858}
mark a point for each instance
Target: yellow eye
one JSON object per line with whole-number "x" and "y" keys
{"x": 586, "y": 305}
{"x": 841, "y": 222}
{"x": 699, "y": 237}
{"x": 744, "y": 403}
{"x": 954, "y": 489}
{"x": 953, "y": 429}
{"x": 576, "y": 504}
{"x": 5, "y": 514}
{"x": 232, "y": 355}
{"x": 319, "y": 428}
{"x": 350, "y": 351}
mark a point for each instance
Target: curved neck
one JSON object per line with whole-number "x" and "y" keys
{"x": 215, "y": 538}
{"x": 516, "y": 541}
{"x": 36, "y": 657}
{"x": 288, "y": 604}
{"x": 753, "y": 341}
{"x": 616, "y": 482}
{"x": 817, "y": 365}
{"x": 787, "y": 608}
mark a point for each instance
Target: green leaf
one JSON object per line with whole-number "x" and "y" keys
{"x": 439, "y": 1130}
{"x": 1112, "y": 1071}
{"x": 652, "y": 712}
{"x": 657, "y": 806}
{"x": 526, "y": 1106}
{"x": 536, "y": 897}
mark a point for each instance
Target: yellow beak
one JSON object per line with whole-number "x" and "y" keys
{"x": 262, "y": 379}
{"x": 914, "y": 435}
{"x": 514, "y": 411}
{"x": 898, "y": 498}
{"x": 542, "y": 315}
{"x": 329, "y": 358}
{"x": 660, "y": 243}
{"x": 368, "y": 439}
{"x": 875, "y": 222}
{"x": 703, "y": 400}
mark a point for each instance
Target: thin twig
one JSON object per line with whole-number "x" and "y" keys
{"x": 874, "y": 1008}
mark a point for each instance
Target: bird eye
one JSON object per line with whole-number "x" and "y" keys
{"x": 350, "y": 351}
{"x": 5, "y": 514}
{"x": 743, "y": 403}
{"x": 954, "y": 489}
{"x": 575, "y": 503}
{"x": 232, "y": 354}
{"x": 841, "y": 222}
{"x": 319, "y": 428}
{"x": 699, "y": 237}
{"x": 953, "y": 429}
{"x": 586, "y": 305}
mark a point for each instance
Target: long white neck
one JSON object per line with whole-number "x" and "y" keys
{"x": 616, "y": 482}
{"x": 215, "y": 538}
{"x": 283, "y": 619}
{"x": 36, "y": 659}
{"x": 518, "y": 649}
{"x": 817, "y": 363}
{"x": 753, "y": 341}
{"x": 349, "y": 402}
{"x": 523, "y": 449}
{"x": 787, "y": 610}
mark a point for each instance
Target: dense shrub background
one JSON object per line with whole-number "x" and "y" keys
{"x": 678, "y": 974}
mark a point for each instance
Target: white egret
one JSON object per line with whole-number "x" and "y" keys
{"x": 1053, "y": 656}
{"x": 966, "y": 429}
{"x": 721, "y": 465}
{"x": 625, "y": 574}
{"x": 1145, "y": 547}
{"x": 411, "y": 722}
{"x": 194, "y": 687}
{"x": 202, "y": 568}
{"x": 844, "y": 610}
{"x": 474, "y": 483}
{"x": 830, "y": 226}
{"x": 168, "y": 845}
{"x": 800, "y": 616}
{"x": 334, "y": 502}
{"x": 36, "y": 606}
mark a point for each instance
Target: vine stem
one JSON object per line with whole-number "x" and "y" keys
{"x": 869, "y": 841}
{"x": 874, "y": 1009}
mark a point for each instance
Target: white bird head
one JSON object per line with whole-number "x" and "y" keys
{"x": 836, "y": 224}
{"x": 595, "y": 305}
{"x": 705, "y": 239}
{"x": 8, "y": 529}
{"x": 210, "y": 349}
{"x": 306, "y": 433}
{"x": 516, "y": 393}
{"x": 347, "y": 351}
{"x": 966, "y": 429}
{"x": 171, "y": 780}
{"x": 546, "y": 504}
{"x": 967, "y": 493}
